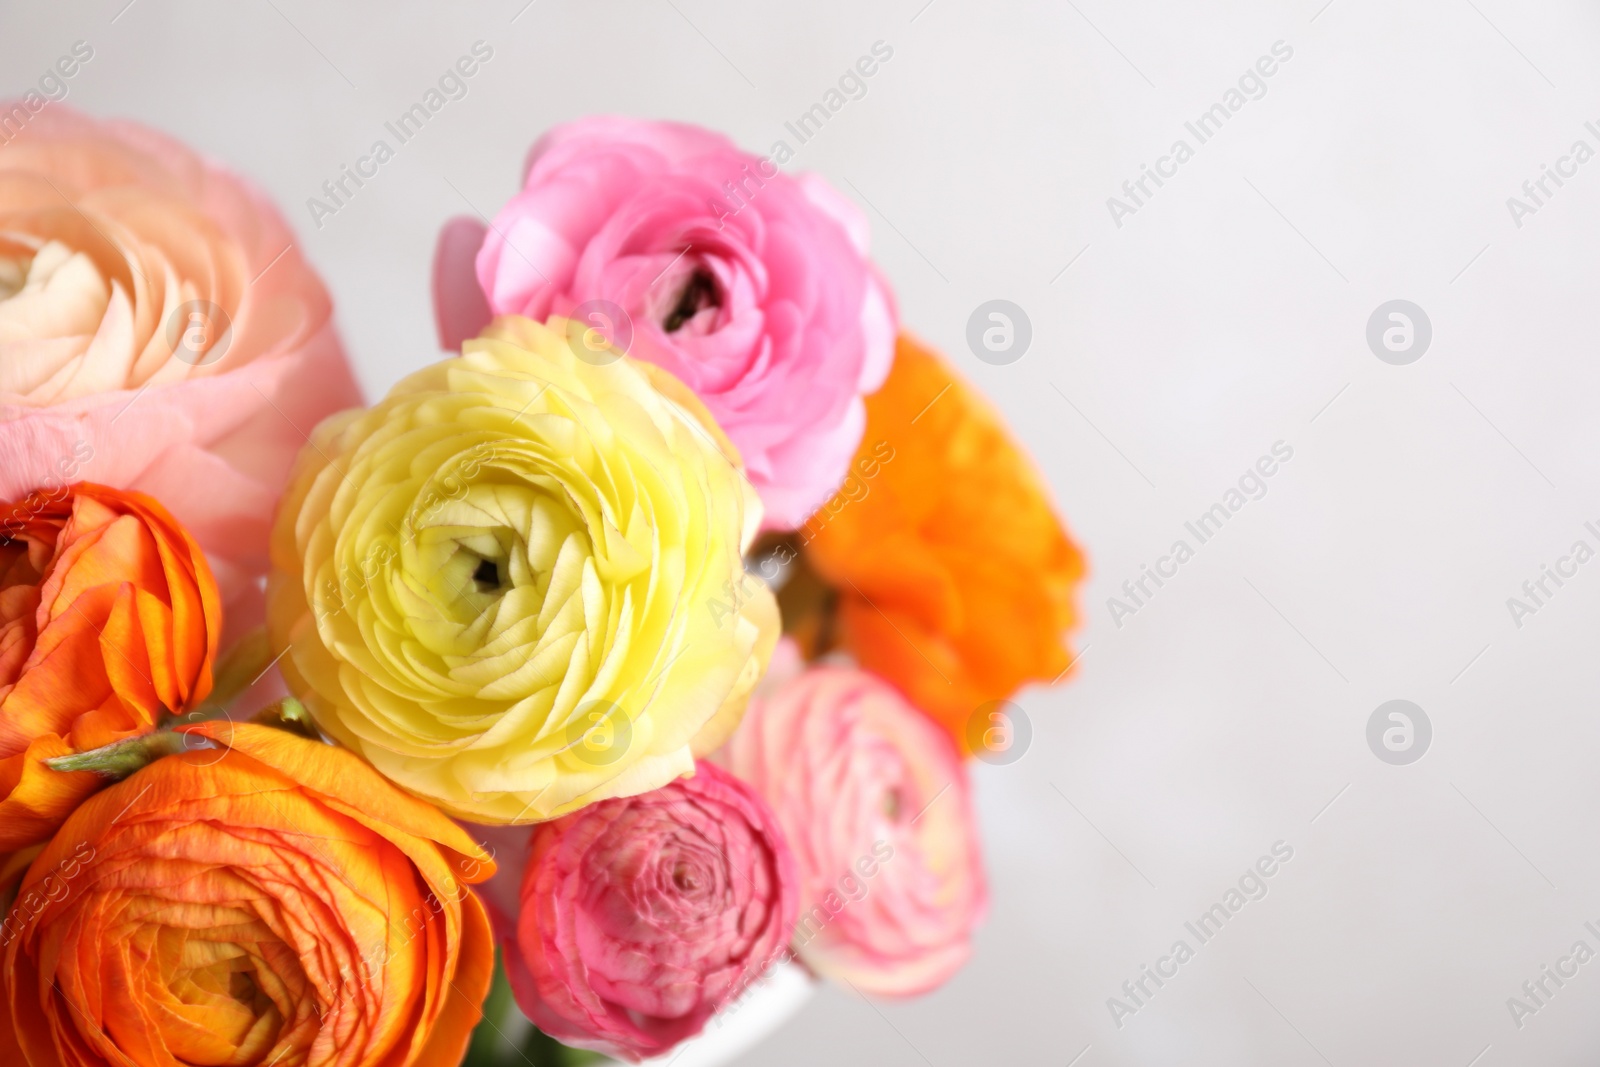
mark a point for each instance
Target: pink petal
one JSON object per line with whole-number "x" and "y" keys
{"x": 459, "y": 306}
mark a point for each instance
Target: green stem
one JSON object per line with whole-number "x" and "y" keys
{"x": 121, "y": 758}
{"x": 240, "y": 666}
{"x": 288, "y": 714}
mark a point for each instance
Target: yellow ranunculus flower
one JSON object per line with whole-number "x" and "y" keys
{"x": 516, "y": 584}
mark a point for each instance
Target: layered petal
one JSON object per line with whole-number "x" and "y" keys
{"x": 876, "y": 805}
{"x": 954, "y": 576}
{"x": 159, "y": 330}
{"x": 516, "y": 584}
{"x": 750, "y": 286}
{"x": 259, "y": 899}
{"x": 640, "y": 917}
{"x": 109, "y": 620}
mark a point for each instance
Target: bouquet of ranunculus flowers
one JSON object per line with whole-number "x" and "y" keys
{"x": 621, "y": 660}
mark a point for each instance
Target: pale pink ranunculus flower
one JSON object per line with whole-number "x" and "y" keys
{"x": 113, "y": 237}
{"x": 641, "y": 916}
{"x": 875, "y": 803}
{"x": 751, "y": 286}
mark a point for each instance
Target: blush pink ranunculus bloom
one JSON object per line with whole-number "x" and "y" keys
{"x": 113, "y": 239}
{"x": 751, "y": 286}
{"x": 874, "y": 800}
{"x": 641, "y": 916}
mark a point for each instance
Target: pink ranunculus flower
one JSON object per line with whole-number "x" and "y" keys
{"x": 751, "y": 286}
{"x": 874, "y": 800}
{"x": 159, "y": 330}
{"x": 641, "y": 916}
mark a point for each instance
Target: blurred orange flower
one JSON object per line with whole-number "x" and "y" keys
{"x": 109, "y": 618}
{"x": 953, "y": 573}
{"x": 272, "y": 900}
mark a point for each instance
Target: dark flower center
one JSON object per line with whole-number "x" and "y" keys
{"x": 242, "y": 987}
{"x": 487, "y": 575}
{"x": 699, "y": 293}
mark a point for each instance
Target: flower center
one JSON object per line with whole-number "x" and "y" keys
{"x": 222, "y": 991}
{"x": 892, "y": 804}
{"x": 51, "y": 271}
{"x": 683, "y": 877}
{"x": 698, "y": 293}
{"x": 13, "y": 275}
{"x": 242, "y": 987}
{"x": 487, "y": 575}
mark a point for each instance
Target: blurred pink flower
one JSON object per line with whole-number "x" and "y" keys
{"x": 874, "y": 800}
{"x": 641, "y": 916}
{"x": 159, "y": 331}
{"x": 749, "y": 285}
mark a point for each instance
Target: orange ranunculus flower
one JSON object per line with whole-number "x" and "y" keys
{"x": 270, "y": 901}
{"x": 953, "y": 573}
{"x": 109, "y": 618}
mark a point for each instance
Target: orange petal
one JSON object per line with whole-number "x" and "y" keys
{"x": 37, "y": 799}
{"x": 463, "y": 1007}
{"x": 341, "y": 776}
{"x": 955, "y": 575}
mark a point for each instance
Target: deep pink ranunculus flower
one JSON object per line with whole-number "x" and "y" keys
{"x": 641, "y": 916}
{"x": 751, "y": 286}
{"x": 874, "y": 801}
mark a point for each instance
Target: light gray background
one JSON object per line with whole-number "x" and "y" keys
{"x": 1227, "y": 314}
